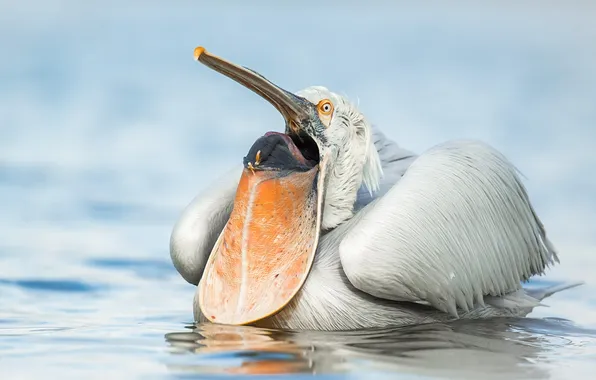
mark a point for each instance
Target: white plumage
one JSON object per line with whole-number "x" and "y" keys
{"x": 450, "y": 233}
{"x": 464, "y": 217}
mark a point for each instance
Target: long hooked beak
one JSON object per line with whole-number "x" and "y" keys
{"x": 289, "y": 105}
{"x": 264, "y": 254}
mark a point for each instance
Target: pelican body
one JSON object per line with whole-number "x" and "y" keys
{"x": 333, "y": 226}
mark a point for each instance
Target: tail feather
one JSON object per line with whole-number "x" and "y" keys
{"x": 542, "y": 293}
{"x": 527, "y": 298}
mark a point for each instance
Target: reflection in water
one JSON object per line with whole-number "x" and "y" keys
{"x": 495, "y": 348}
{"x": 260, "y": 351}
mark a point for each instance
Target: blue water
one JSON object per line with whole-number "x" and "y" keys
{"x": 108, "y": 128}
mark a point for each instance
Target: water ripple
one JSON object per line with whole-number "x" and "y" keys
{"x": 140, "y": 267}
{"x": 511, "y": 345}
{"x": 59, "y": 286}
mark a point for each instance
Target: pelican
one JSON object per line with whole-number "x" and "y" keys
{"x": 333, "y": 226}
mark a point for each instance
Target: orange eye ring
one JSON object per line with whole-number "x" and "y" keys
{"x": 325, "y": 107}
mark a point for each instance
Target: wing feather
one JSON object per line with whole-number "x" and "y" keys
{"x": 457, "y": 227}
{"x": 200, "y": 224}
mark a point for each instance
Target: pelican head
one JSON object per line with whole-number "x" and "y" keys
{"x": 293, "y": 185}
{"x": 354, "y": 162}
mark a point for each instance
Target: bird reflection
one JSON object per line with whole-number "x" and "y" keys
{"x": 463, "y": 349}
{"x": 262, "y": 351}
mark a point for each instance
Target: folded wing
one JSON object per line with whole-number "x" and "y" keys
{"x": 458, "y": 226}
{"x": 200, "y": 224}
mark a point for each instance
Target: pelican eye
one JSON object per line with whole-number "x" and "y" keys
{"x": 325, "y": 107}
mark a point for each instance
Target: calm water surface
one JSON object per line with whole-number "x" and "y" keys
{"x": 108, "y": 129}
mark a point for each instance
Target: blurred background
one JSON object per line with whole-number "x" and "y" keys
{"x": 108, "y": 129}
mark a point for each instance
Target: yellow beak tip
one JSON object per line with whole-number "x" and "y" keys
{"x": 198, "y": 51}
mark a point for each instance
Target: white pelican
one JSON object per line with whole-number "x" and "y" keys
{"x": 333, "y": 226}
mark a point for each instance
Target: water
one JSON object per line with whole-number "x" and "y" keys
{"x": 108, "y": 129}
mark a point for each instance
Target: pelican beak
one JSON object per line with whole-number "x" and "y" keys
{"x": 265, "y": 252}
{"x": 291, "y": 107}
